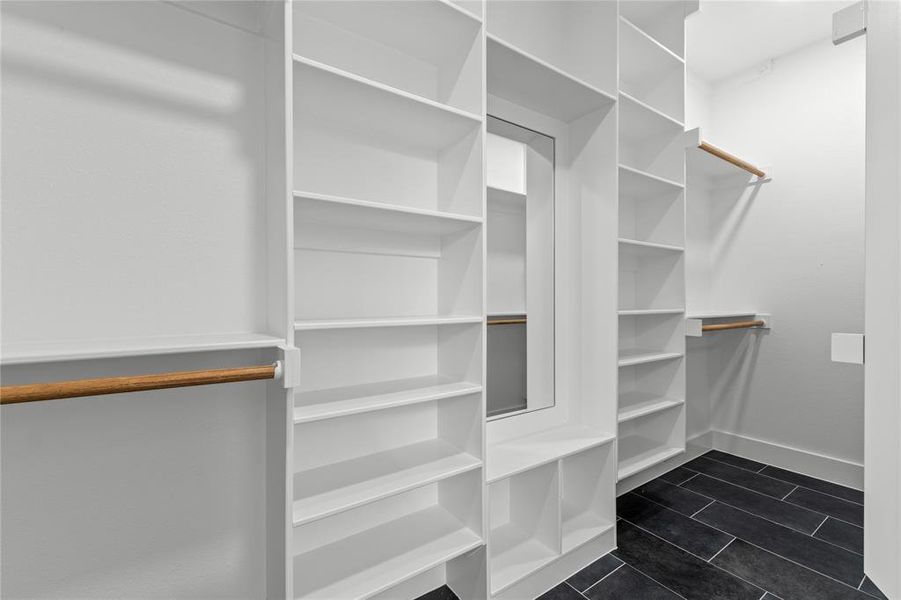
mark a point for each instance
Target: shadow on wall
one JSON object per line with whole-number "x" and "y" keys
{"x": 731, "y": 382}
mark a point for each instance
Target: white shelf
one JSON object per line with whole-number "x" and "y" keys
{"x": 721, "y": 315}
{"x": 350, "y": 400}
{"x": 637, "y": 183}
{"x": 374, "y": 560}
{"x": 642, "y": 248}
{"x": 348, "y": 212}
{"x": 365, "y": 323}
{"x": 515, "y": 554}
{"x": 523, "y": 453}
{"x": 637, "y": 453}
{"x": 640, "y": 312}
{"x": 636, "y": 356}
{"x": 58, "y": 351}
{"x": 376, "y": 110}
{"x": 582, "y": 526}
{"x": 338, "y": 487}
{"x": 634, "y": 405}
{"x": 640, "y": 121}
{"x": 528, "y": 81}
{"x": 647, "y": 59}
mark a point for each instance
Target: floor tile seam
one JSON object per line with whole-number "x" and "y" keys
{"x": 814, "y": 534}
{"x": 828, "y": 515}
{"x": 573, "y": 588}
{"x": 719, "y": 568}
{"x": 790, "y": 493}
{"x": 646, "y": 575}
{"x": 722, "y": 462}
{"x": 618, "y": 567}
{"x": 723, "y": 548}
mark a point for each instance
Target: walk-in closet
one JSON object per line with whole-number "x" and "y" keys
{"x": 450, "y": 299}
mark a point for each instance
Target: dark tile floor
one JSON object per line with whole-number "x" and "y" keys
{"x": 722, "y": 527}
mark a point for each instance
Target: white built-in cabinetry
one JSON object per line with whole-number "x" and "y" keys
{"x": 651, "y": 389}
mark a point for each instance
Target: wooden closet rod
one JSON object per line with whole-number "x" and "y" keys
{"x": 735, "y": 325}
{"x": 730, "y": 158}
{"x": 516, "y": 321}
{"x": 13, "y": 394}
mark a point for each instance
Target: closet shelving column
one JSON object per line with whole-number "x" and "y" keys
{"x": 388, "y": 438}
{"x": 551, "y": 472}
{"x": 651, "y": 388}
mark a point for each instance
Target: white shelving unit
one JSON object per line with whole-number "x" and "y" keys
{"x": 651, "y": 387}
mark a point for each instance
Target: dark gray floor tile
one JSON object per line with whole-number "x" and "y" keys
{"x": 842, "y": 534}
{"x": 761, "y": 505}
{"x": 811, "y": 552}
{"x": 678, "y": 475}
{"x": 833, "y": 489}
{"x": 594, "y": 572}
{"x": 735, "y": 461}
{"x": 678, "y": 570}
{"x": 561, "y": 592}
{"x": 870, "y": 588}
{"x": 688, "y": 534}
{"x": 442, "y": 593}
{"x": 627, "y": 583}
{"x": 752, "y": 481}
{"x": 780, "y": 576}
{"x": 673, "y": 497}
{"x": 843, "y": 510}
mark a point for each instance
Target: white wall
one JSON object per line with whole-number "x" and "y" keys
{"x": 795, "y": 248}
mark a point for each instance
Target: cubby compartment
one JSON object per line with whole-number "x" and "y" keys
{"x": 577, "y": 38}
{"x": 370, "y": 549}
{"x": 525, "y": 525}
{"x": 344, "y": 462}
{"x": 646, "y": 336}
{"x": 663, "y": 20}
{"x": 588, "y": 505}
{"x": 649, "y": 71}
{"x": 466, "y": 576}
{"x": 651, "y": 142}
{"x": 650, "y": 440}
{"x": 429, "y": 48}
{"x": 370, "y": 270}
{"x": 357, "y": 370}
{"x": 648, "y": 388}
{"x": 360, "y": 142}
{"x": 650, "y": 213}
{"x": 650, "y": 277}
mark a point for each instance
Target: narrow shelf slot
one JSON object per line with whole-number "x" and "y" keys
{"x": 636, "y": 404}
{"x": 635, "y": 182}
{"x": 650, "y": 72}
{"x": 520, "y": 454}
{"x": 523, "y": 79}
{"x": 342, "y": 486}
{"x": 640, "y": 121}
{"x": 363, "y": 214}
{"x": 662, "y": 20}
{"x": 639, "y": 356}
{"x": 515, "y": 555}
{"x": 343, "y": 401}
{"x": 639, "y": 453}
{"x": 588, "y": 505}
{"x": 651, "y": 439}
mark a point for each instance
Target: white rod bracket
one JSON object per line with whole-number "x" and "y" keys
{"x": 288, "y": 369}
{"x": 849, "y": 23}
{"x": 694, "y": 325}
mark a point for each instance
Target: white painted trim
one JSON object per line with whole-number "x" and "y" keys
{"x": 809, "y": 463}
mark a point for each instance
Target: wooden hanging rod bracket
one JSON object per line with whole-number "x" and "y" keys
{"x": 14, "y": 394}
{"x": 731, "y": 158}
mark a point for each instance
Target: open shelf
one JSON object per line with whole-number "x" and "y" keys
{"x": 663, "y": 20}
{"x": 650, "y": 277}
{"x": 525, "y": 525}
{"x": 348, "y": 400}
{"x": 639, "y": 453}
{"x": 338, "y": 487}
{"x": 640, "y": 121}
{"x": 636, "y": 404}
{"x": 640, "y": 356}
{"x": 429, "y": 48}
{"x": 651, "y": 312}
{"x": 635, "y": 182}
{"x": 362, "y": 214}
{"x": 375, "y": 110}
{"x": 650, "y": 72}
{"x": 523, "y": 79}
{"x": 363, "y": 323}
{"x": 649, "y": 212}
{"x": 513, "y": 456}
{"x": 642, "y": 248}
{"x": 64, "y": 350}
{"x": 367, "y": 550}
{"x": 588, "y": 504}
{"x": 651, "y": 439}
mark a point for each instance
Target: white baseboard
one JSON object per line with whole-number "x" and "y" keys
{"x": 813, "y": 464}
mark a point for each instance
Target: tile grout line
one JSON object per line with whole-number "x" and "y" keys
{"x": 831, "y": 516}
{"x": 730, "y": 573}
{"x": 814, "y": 534}
{"x": 696, "y": 473}
{"x": 692, "y": 516}
{"x": 860, "y": 585}
{"x": 790, "y": 493}
{"x": 721, "y": 549}
{"x": 618, "y": 567}
{"x": 637, "y": 570}
{"x": 574, "y": 589}
{"x": 722, "y": 462}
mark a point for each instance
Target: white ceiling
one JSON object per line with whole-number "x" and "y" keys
{"x": 727, "y": 37}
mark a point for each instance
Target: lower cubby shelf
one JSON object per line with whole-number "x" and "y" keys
{"x": 367, "y": 550}
{"x": 649, "y": 440}
{"x": 588, "y": 504}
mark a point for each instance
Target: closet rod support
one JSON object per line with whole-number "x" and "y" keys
{"x": 731, "y": 158}
{"x": 76, "y": 388}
